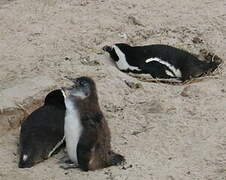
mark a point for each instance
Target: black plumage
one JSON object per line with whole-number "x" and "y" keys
{"x": 160, "y": 61}
{"x": 42, "y": 130}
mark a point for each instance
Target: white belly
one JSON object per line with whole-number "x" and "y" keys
{"x": 72, "y": 129}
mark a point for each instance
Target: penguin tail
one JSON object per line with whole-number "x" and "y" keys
{"x": 116, "y": 159}
{"x": 211, "y": 66}
{"x": 213, "y": 61}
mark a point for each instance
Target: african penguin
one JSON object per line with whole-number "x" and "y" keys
{"x": 160, "y": 61}
{"x": 42, "y": 130}
{"x": 87, "y": 134}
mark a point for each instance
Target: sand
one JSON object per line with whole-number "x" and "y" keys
{"x": 165, "y": 132}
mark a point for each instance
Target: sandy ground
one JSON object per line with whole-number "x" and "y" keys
{"x": 165, "y": 132}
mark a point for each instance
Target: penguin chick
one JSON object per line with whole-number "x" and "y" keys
{"x": 42, "y": 130}
{"x": 87, "y": 133}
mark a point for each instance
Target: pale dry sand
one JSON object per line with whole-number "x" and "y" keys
{"x": 165, "y": 132}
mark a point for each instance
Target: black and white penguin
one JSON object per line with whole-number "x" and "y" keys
{"x": 87, "y": 134}
{"x": 160, "y": 61}
{"x": 42, "y": 131}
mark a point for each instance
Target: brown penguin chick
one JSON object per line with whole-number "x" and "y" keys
{"x": 87, "y": 133}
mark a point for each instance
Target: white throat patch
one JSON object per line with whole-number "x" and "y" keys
{"x": 176, "y": 71}
{"x": 122, "y": 63}
{"x": 72, "y": 130}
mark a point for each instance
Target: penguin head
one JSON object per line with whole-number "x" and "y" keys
{"x": 82, "y": 88}
{"x": 55, "y": 98}
{"x": 117, "y": 51}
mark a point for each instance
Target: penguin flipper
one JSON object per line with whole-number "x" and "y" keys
{"x": 87, "y": 142}
{"x": 158, "y": 70}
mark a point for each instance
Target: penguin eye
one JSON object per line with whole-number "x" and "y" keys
{"x": 81, "y": 83}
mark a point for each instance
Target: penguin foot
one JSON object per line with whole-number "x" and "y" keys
{"x": 65, "y": 159}
{"x": 69, "y": 166}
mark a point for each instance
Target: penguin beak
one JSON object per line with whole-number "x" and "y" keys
{"x": 107, "y": 48}
{"x": 67, "y": 90}
{"x": 74, "y": 80}
{"x": 70, "y": 78}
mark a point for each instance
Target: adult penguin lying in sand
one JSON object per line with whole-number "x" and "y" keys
{"x": 41, "y": 133}
{"x": 87, "y": 135}
{"x": 160, "y": 61}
